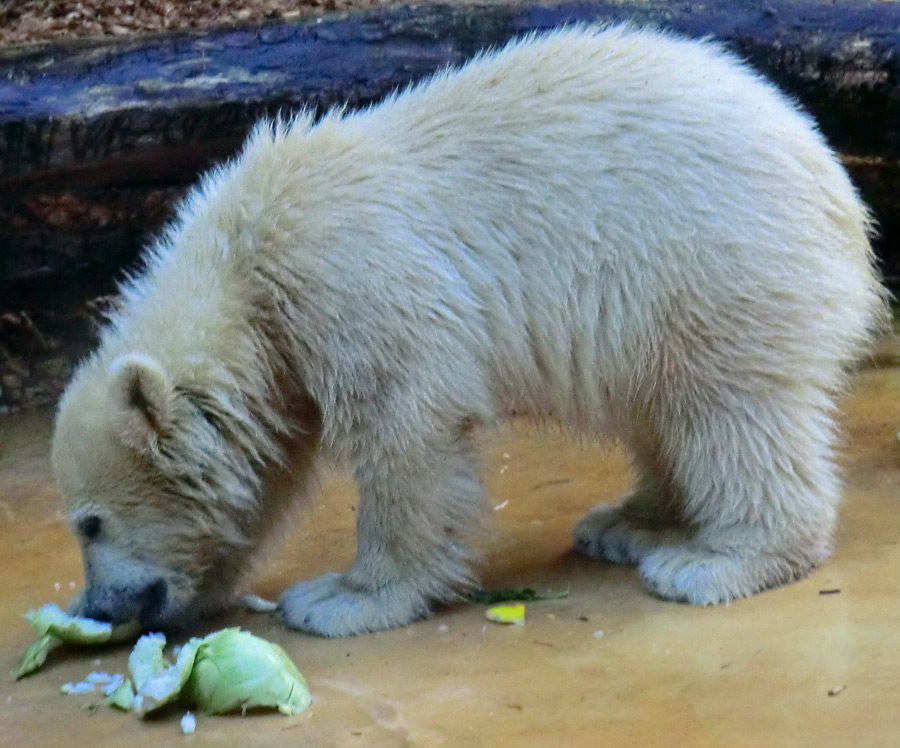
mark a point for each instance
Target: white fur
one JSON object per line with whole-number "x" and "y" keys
{"x": 620, "y": 229}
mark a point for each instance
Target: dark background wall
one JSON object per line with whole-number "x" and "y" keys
{"x": 98, "y": 139}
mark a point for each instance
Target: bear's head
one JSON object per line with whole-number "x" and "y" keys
{"x": 161, "y": 500}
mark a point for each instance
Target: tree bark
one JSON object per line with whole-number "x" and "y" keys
{"x": 99, "y": 138}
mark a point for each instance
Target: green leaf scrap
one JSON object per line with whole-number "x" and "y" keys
{"x": 514, "y": 594}
{"x": 55, "y": 626}
{"x": 36, "y": 655}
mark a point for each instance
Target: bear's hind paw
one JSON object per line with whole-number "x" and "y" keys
{"x": 606, "y": 533}
{"x": 698, "y": 575}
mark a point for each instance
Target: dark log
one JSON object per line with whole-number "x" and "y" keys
{"x": 98, "y": 138}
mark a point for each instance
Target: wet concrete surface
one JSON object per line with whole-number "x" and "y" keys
{"x": 609, "y": 665}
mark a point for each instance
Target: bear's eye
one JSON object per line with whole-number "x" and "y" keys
{"x": 90, "y": 526}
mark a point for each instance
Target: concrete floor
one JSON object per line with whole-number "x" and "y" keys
{"x": 791, "y": 667}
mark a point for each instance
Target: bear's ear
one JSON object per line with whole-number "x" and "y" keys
{"x": 144, "y": 396}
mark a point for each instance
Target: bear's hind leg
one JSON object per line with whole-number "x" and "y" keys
{"x": 759, "y": 491}
{"x": 418, "y": 502}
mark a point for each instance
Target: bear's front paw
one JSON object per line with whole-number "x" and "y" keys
{"x": 330, "y": 606}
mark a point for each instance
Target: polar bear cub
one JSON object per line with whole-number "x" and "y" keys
{"x": 621, "y": 229}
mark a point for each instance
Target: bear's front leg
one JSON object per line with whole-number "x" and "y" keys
{"x": 418, "y": 502}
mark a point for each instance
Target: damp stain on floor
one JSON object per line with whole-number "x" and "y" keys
{"x": 814, "y": 663}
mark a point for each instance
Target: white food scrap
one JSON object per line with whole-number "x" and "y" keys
{"x": 257, "y": 604}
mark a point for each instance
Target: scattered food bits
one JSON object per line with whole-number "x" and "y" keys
{"x": 836, "y": 690}
{"x": 51, "y": 619}
{"x": 829, "y": 592}
{"x": 188, "y": 723}
{"x": 114, "y": 684}
{"x": 80, "y": 687}
{"x": 229, "y": 670}
{"x": 510, "y": 615}
{"x": 156, "y": 681}
{"x": 107, "y": 683}
{"x": 501, "y": 506}
{"x": 121, "y": 697}
{"x": 36, "y": 655}
{"x": 54, "y": 625}
{"x": 99, "y": 679}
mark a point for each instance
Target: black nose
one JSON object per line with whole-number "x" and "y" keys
{"x": 153, "y": 600}
{"x": 103, "y": 615}
{"x": 118, "y": 605}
